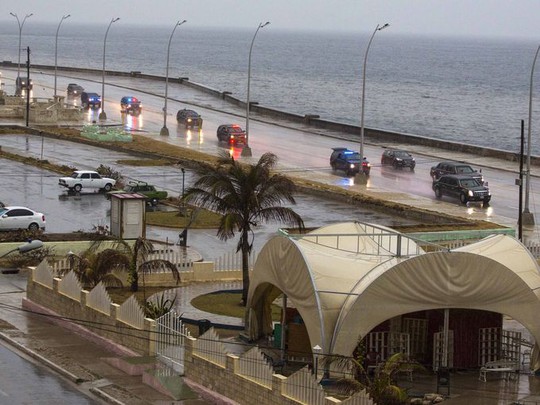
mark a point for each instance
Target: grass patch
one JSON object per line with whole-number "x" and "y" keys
{"x": 228, "y": 304}
{"x": 144, "y": 162}
{"x": 174, "y": 219}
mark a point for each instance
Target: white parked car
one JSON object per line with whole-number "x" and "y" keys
{"x": 86, "y": 179}
{"x": 21, "y": 218}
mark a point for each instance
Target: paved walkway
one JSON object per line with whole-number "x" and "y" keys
{"x": 74, "y": 357}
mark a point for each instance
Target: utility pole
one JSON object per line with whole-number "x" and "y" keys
{"x": 520, "y": 181}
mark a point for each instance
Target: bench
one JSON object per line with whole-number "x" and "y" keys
{"x": 507, "y": 367}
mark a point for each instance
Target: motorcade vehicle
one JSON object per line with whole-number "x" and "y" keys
{"x": 398, "y": 158}
{"x": 189, "y": 118}
{"x": 349, "y": 161}
{"x": 87, "y": 179}
{"x": 149, "y": 191}
{"x": 233, "y": 134}
{"x": 130, "y": 105}
{"x": 461, "y": 186}
{"x": 15, "y": 217}
{"x": 90, "y": 100}
{"x": 23, "y": 83}
{"x": 455, "y": 168}
{"x": 73, "y": 89}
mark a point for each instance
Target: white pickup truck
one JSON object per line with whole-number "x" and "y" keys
{"x": 86, "y": 179}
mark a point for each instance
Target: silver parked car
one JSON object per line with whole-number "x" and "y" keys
{"x": 12, "y": 218}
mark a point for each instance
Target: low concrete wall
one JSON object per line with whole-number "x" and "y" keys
{"x": 92, "y": 323}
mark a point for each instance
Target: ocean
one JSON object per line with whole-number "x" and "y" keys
{"x": 469, "y": 90}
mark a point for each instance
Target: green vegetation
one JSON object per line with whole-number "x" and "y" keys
{"x": 245, "y": 195}
{"x": 228, "y": 304}
{"x": 144, "y": 162}
{"x": 204, "y": 219}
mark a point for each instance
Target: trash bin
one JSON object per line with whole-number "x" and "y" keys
{"x": 204, "y": 325}
{"x": 182, "y": 238}
{"x": 277, "y": 335}
{"x": 443, "y": 380}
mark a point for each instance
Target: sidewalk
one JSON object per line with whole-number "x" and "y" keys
{"x": 74, "y": 357}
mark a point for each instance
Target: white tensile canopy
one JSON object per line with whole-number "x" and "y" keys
{"x": 345, "y": 279}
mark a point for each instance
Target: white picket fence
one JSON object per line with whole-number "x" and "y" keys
{"x": 178, "y": 258}
{"x": 233, "y": 261}
{"x": 253, "y": 365}
{"x": 209, "y": 347}
{"x": 130, "y": 312}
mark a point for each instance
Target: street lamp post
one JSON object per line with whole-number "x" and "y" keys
{"x": 246, "y": 151}
{"x": 378, "y": 28}
{"x": 21, "y": 25}
{"x": 528, "y": 217}
{"x": 56, "y": 50}
{"x": 165, "y": 130}
{"x": 102, "y": 115}
{"x": 183, "y": 180}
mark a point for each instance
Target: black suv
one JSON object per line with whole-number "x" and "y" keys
{"x": 90, "y": 100}
{"x": 398, "y": 158}
{"x": 130, "y": 105}
{"x": 455, "y": 168}
{"x": 232, "y": 134}
{"x": 349, "y": 161}
{"x": 189, "y": 118}
{"x": 73, "y": 89}
{"x": 464, "y": 187}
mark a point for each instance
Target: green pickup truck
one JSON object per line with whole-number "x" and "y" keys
{"x": 140, "y": 187}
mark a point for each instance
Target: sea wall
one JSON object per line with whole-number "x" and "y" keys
{"x": 372, "y": 135}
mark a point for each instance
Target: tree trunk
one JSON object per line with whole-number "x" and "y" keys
{"x": 245, "y": 268}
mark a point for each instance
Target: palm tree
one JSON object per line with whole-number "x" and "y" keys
{"x": 137, "y": 255}
{"x": 381, "y": 385}
{"x": 244, "y": 195}
{"x": 92, "y": 267}
{"x": 136, "y": 259}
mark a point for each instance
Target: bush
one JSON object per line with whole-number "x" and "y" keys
{"x": 107, "y": 171}
{"x": 32, "y": 258}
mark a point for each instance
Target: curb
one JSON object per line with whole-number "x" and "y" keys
{"x": 103, "y": 395}
{"x": 60, "y": 370}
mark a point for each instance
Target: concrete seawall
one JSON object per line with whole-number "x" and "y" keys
{"x": 372, "y": 135}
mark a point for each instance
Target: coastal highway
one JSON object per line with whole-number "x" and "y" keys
{"x": 302, "y": 151}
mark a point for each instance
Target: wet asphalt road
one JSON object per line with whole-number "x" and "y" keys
{"x": 66, "y": 212}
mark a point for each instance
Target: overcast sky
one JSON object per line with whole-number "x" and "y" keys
{"x": 502, "y": 18}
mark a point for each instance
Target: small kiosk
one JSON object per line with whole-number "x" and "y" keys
{"x": 128, "y": 215}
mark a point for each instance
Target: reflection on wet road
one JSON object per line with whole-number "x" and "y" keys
{"x": 68, "y": 212}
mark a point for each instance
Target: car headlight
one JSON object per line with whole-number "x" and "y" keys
{"x": 189, "y": 120}
{"x": 398, "y": 160}
{"x": 351, "y": 165}
{"x": 471, "y": 193}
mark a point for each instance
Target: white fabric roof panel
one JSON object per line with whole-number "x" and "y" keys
{"x": 342, "y": 295}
